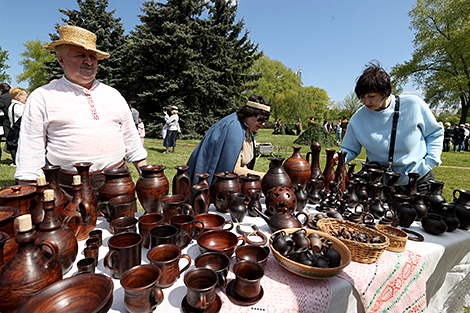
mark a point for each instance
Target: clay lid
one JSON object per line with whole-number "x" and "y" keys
{"x": 249, "y": 177}
{"x": 7, "y": 212}
{"x": 17, "y": 191}
{"x": 226, "y": 175}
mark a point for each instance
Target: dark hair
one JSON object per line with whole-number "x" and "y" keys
{"x": 4, "y": 87}
{"x": 247, "y": 111}
{"x": 373, "y": 79}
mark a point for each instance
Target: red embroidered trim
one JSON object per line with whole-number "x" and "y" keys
{"x": 92, "y": 107}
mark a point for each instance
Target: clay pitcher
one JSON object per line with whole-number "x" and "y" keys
{"x": 297, "y": 168}
{"x": 22, "y": 197}
{"x": 117, "y": 182}
{"x": 52, "y": 177}
{"x": 254, "y": 202}
{"x": 203, "y": 180}
{"x": 83, "y": 169}
{"x": 38, "y": 213}
{"x": 315, "y": 170}
{"x": 80, "y": 207}
{"x": 174, "y": 205}
{"x": 329, "y": 171}
{"x": 250, "y": 181}
{"x": 238, "y": 207}
{"x": 182, "y": 182}
{"x": 225, "y": 184}
{"x": 276, "y": 176}
{"x": 30, "y": 270}
{"x": 341, "y": 174}
{"x": 200, "y": 202}
{"x": 462, "y": 205}
{"x": 151, "y": 186}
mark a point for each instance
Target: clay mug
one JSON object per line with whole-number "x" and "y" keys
{"x": 125, "y": 252}
{"x": 97, "y": 233}
{"x": 92, "y": 252}
{"x": 173, "y": 205}
{"x": 146, "y": 223}
{"x": 141, "y": 293}
{"x": 216, "y": 261}
{"x": 253, "y": 253}
{"x": 200, "y": 283}
{"x": 124, "y": 224}
{"x": 92, "y": 242}
{"x": 247, "y": 283}
{"x": 187, "y": 223}
{"x": 213, "y": 221}
{"x": 167, "y": 257}
{"x": 118, "y": 207}
{"x": 163, "y": 234}
{"x": 86, "y": 265}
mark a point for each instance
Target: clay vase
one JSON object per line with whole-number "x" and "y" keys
{"x": 38, "y": 213}
{"x": 276, "y": 176}
{"x": 254, "y": 202}
{"x": 238, "y": 207}
{"x": 450, "y": 218}
{"x": 406, "y": 214}
{"x": 203, "y": 180}
{"x": 329, "y": 171}
{"x": 80, "y": 207}
{"x": 83, "y": 169}
{"x": 341, "y": 174}
{"x": 22, "y": 197}
{"x": 376, "y": 207}
{"x": 182, "y": 182}
{"x": 462, "y": 205}
{"x": 151, "y": 186}
{"x": 351, "y": 167}
{"x": 8, "y": 214}
{"x": 315, "y": 170}
{"x": 117, "y": 182}
{"x": 314, "y": 187}
{"x": 29, "y": 271}
{"x": 249, "y": 181}
{"x": 352, "y": 199}
{"x": 421, "y": 208}
{"x": 433, "y": 224}
{"x": 200, "y": 202}
{"x": 297, "y": 168}
{"x": 301, "y": 197}
{"x": 435, "y": 197}
{"x": 60, "y": 233}
{"x": 224, "y": 185}
{"x": 52, "y": 177}
{"x": 412, "y": 183}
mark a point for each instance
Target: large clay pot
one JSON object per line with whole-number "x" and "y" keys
{"x": 462, "y": 205}
{"x": 52, "y": 177}
{"x": 341, "y": 174}
{"x": 151, "y": 186}
{"x": 60, "y": 233}
{"x": 297, "y": 168}
{"x": 315, "y": 169}
{"x": 29, "y": 271}
{"x": 8, "y": 214}
{"x": 117, "y": 182}
{"x": 276, "y": 176}
{"x": 329, "y": 171}
{"x": 225, "y": 184}
{"x": 22, "y": 197}
{"x": 80, "y": 207}
{"x": 182, "y": 182}
{"x": 250, "y": 181}
{"x": 433, "y": 224}
{"x": 83, "y": 169}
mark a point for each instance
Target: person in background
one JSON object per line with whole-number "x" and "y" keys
{"x": 458, "y": 136}
{"x": 172, "y": 125}
{"x": 298, "y": 126}
{"x": 15, "y": 111}
{"x": 5, "y": 100}
{"x": 419, "y": 137}
{"x": 311, "y": 121}
{"x": 466, "y": 136}
{"x": 448, "y": 133}
{"x": 135, "y": 113}
{"x": 77, "y": 119}
{"x": 229, "y": 144}
{"x": 344, "y": 126}
{"x": 338, "y": 131}
{"x": 141, "y": 130}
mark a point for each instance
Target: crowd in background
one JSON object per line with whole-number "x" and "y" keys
{"x": 458, "y": 136}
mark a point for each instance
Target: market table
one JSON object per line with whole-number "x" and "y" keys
{"x": 435, "y": 272}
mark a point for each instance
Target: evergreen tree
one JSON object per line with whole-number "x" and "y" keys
{"x": 192, "y": 54}
{"x": 92, "y": 16}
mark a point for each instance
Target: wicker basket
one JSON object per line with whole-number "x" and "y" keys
{"x": 397, "y": 237}
{"x": 361, "y": 252}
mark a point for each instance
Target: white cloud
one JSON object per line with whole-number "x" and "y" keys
{"x": 418, "y": 93}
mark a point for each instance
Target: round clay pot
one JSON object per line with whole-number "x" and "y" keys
{"x": 151, "y": 186}
{"x": 297, "y": 168}
{"x": 117, "y": 182}
{"x": 224, "y": 186}
{"x": 433, "y": 224}
{"x": 276, "y": 176}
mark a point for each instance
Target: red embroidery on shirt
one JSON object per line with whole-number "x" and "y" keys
{"x": 92, "y": 107}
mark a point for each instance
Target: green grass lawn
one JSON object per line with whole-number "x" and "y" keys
{"x": 454, "y": 171}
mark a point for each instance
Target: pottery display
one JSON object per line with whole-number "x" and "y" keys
{"x": 433, "y": 224}
{"x": 315, "y": 170}
{"x": 117, "y": 182}
{"x": 275, "y": 176}
{"x": 52, "y": 177}
{"x": 151, "y": 186}
{"x": 250, "y": 181}
{"x": 297, "y": 168}
{"x": 329, "y": 172}
{"x": 22, "y": 197}
{"x": 223, "y": 186}
{"x": 83, "y": 169}
{"x": 462, "y": 207}
{"x": 182, "y": 182}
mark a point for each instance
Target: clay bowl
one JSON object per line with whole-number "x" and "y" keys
{"x": 311, "y": 271}
{"x": 213, "y": 221}
{"x": 221, "y": 241}
{"x": 81, "y": 293}
{"x": 253, "y": 253}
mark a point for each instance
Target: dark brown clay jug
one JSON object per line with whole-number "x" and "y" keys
{"x": 182, "y": 182}
{"x": 151, "y": 186}
{"x": 225, "y": 184}
{"x": 254, "y": 202}
{"x": 22, "y": 197}
{"x": 297, "y": 168}
{"x": 60, "y": 233}
{"x": 450, "y": 218}
{"x": 315, "y": 169}
{"x": 329, "y": 171}
{"x": 313, "y": 190}
{"x": 83, "y": 169}
{"x": 52, "y": 177}
{"x": 8, "y": 214}
{"x": 80, "y": 207}
{"x": 117, "y": 182}
{"x": 29, "y": 271}
{"x": 203, "y": 180}
{"x": 276, "y": 176}
{"x": 200, "y": 202}
{"x": 341, "y": 174}
{"x": 250, "y": 181}
{"x": 462, "y": 205}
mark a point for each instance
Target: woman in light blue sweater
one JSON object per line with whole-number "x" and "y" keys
{"x": 418, "y": 143}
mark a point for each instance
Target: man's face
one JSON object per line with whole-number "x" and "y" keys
{"x": 80, "y": 65}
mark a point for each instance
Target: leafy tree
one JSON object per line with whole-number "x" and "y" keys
{"x": 192, "y": 54}
{"x": 440, "y": 62}
{"x": 4, "y": 77}
{"x": 92, "y": 15}
{"x": 34, "y": 57}
{"x": 351, "y": 103}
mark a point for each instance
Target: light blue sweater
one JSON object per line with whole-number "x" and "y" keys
{"x": 418, "y": 143}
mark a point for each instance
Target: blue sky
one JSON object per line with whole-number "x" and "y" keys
{"x": 330, "y": 40}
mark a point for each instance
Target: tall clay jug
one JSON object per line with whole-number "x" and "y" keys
{"x": 276, "y": 176}
{"x": 462, "y": 205}
{"x": 315, "y": 170}
{"x": 329, "y": 171}
{"x": 225, "y": 184}
{"x": 151, "y": 186}
{"x": 59, "y": 232}
{"x": 200, "y": 202}
{"x": 52, "y": 177}
{"x": 297, "y": 168}
{"x": 83, "y": 169}
{"x": 117, "y": 182}
{"x": 30, "y": 270}
{"x": 182, "y": 182}
{"x": 341, "y": 174}
{"x": 203, "y": 180}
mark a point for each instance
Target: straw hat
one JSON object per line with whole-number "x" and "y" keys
{"x": 77, "y": 36}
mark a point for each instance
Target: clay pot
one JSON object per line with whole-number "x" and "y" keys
{"x": 117, "y": 182}
{"x": 253, "y": 253}
{"x": 341, "y": 174}
{"x": 329, "y": 172}
{"x": 283, "y": 220}
{"x": 462, "y": 205}
{"x": 80, "y": 207}
{"x": 297, "y": 168}
{"x": 213, "y": 221}
{"x": 418, "y": 202}
{"x": 52, "y": 177}
{"x": 276, "y": 176}
{"x": 238, "y": 207}
{"x": 182, "y": 182}
{"x": 201, "y": 202}
{"x": 203, "y": 181}
{"x": 225, "y": 184}
{"x": 249, "y": 181}
{"x": 151, "y": 186}
{"x": 22, "y": 197}
{"x": 221, "y": 241}
{"x": 313, "y": 191}
{"x": 435, "y": 196}
{"x": 406, "y": 214}
{"x": 301, "y": 197}
{"x": 450, "y": 218}
{"x": 315, "y": 170}
{"x": 280, "y": 199}
{"x": 254, "y": 202}
{"x": 433, "y": 224}
{"x": 83, "y": 169}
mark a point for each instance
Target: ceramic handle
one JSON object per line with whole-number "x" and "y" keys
{"x": 187, "y": 239}
{"x": 187, "y": 257}
{"x": 156, "y": 296}
{"x": 103, "y": 210}
{"x": 306, "y": 218}
{"x": 189, "y": 209}
{"x": 202, "y": 299}
{"x": 53, "y": 247}
{"x": 228, "y": 223}
{"x": 242, "y": 239}
{"x": 222, "y": 280}
{"x": 198, "y": 230}
{"x": 78, "y": 223}
{"x": 106, "y": 260}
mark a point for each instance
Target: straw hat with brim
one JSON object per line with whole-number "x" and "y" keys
{"x": 77, "y": 36}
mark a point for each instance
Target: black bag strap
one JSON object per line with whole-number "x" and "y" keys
{"x": 396, "y": 114}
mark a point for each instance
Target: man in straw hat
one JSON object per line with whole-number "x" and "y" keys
{"x": 77, "y": 118}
